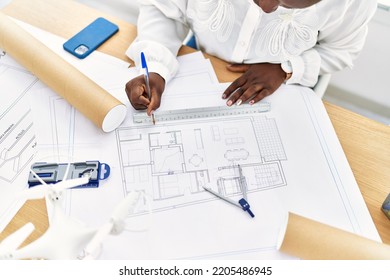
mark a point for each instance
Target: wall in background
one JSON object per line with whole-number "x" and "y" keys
{"x": 369, "y": 80}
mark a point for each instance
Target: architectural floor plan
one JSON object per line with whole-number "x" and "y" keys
{"x": 284, "y": 160}
{"x": 174, "y": 162}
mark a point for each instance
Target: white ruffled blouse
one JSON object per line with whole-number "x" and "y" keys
{"x": 323, "y": 38}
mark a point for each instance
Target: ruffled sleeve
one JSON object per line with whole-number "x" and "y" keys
{"x": 161, "y": 31}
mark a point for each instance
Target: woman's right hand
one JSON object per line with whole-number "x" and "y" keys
{"x": 138, "y": 96}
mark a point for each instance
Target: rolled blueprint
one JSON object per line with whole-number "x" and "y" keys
{"x": 311, "y": 240}
{"x": 85, "y": 95}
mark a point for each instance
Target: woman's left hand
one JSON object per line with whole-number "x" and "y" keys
{"x": 257, "y": 81}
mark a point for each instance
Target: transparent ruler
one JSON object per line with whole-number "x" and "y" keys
{"x": 205, "y": 112}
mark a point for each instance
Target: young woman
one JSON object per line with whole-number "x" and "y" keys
{"x": 269, "y": 41}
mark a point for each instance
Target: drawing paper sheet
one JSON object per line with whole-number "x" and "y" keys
{"x": 17, "y": 139}
{"x": 291, "y": 160}
{"x": 283, "y": 153}
{"x": 290, "y": 157}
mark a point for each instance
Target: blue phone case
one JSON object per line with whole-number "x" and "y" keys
{"x": 90, "y": 38}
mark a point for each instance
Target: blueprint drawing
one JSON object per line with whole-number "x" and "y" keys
{"x": 290, "y": 160}
{"x": 175, "y": 161}
{"x": 17, "y": 137}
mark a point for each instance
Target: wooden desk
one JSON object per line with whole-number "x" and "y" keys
{"x": 366, "y": 143}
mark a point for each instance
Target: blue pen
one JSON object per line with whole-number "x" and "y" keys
{"x": 146, "y": 76}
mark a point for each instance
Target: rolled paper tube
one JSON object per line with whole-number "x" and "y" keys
{"x": 310, "y": 240}
{"x": 85, "y": 95}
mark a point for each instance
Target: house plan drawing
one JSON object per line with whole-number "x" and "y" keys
{"x": 174, "y": 162}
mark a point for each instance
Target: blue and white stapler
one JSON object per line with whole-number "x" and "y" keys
{"x": 52, "y": 173}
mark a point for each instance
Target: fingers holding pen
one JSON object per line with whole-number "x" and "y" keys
{"x": 157, "y": 86}
{"x": 154, "y": 104}
{"x": 136, "y": 93}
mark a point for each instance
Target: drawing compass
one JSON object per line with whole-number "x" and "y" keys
{"x": 242, "y": 203}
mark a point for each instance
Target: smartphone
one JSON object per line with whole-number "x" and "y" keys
{"x": 90, "y": 38}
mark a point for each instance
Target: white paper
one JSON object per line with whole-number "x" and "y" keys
{"x": 291, "y": 161}
{"x": 17, "y": 139}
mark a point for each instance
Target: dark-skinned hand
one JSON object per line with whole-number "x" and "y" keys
{"x": 138, "y": 96}
{"x": 257, "y": 81}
